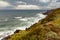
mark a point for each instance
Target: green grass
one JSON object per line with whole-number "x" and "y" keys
{"x": 46, "y": 29}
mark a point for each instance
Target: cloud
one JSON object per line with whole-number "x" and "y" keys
{"x": 21, "y": 3}
{"x": 4, "y": 4}
{"x": 55, "y": 5}
{"x": 27, "y": 7}
{"x": 29, "y": 4}
{"x": 52, "y": 5}
{"x": 45, "y": 1}
{"x": 58, "y": 0}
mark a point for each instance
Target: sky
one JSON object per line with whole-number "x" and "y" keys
{"x": 29, "y": 4}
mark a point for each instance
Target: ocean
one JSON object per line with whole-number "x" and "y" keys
{"x": 11, "y": 20}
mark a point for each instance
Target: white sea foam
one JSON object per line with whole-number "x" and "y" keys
{"x": 21, "y": 28}
{"x": 27, "y": 20}
{"x": 5, "y": 34}
{"x": 23, "y": 19}
{"x": 41, "y": 15}
{"x": 31, "y": 20}
{"x": 18, "y": 17}
{"x": 6, "y": 19}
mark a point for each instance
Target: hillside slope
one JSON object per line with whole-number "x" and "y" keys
{"x": 46, "y": 29}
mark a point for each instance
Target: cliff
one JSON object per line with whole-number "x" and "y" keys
{"x": 46, "y": 29}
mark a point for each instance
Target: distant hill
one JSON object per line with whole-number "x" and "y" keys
{"x": 46, "y": 29}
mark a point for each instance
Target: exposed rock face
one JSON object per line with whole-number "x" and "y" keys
{"x": 46, "y": 29}
{"x": 17, "y": 31}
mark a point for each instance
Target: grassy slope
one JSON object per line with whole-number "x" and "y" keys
{"x": 46, "y": 29}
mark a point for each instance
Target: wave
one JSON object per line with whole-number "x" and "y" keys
{"x": 26, "y": 22}
{"x": 6, "y": 19}
{"x": 17, "y": 17}
{"x": 5, "y": 34}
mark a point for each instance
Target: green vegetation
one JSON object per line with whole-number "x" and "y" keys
{"x": 46, "y": 29}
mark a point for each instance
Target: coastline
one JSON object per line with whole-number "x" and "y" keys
{"x": 46, "y": 28}
{"x": 8, "y": 33}
{"x": 43, "y": 15}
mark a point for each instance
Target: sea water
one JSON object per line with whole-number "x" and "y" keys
{"x": 11, "y": 20}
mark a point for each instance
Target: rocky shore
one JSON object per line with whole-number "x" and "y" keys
{"x": 45, "y": 29}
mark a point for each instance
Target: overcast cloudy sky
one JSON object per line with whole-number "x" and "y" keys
{"x": 29, "y": 4}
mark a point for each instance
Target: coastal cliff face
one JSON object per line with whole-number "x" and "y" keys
{"x": 45, "y": 29}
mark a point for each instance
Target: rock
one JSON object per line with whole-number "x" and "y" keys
{"x": 17, "y": 31}
{"x": 6, "y": 38}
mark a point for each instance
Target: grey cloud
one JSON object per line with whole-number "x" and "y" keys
{"x": 33, "y": 2}
{"x": 14, "y": 3}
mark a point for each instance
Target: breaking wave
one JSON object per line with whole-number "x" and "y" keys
{"x": 24, "y": 22}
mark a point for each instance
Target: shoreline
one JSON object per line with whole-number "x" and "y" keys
{"x": 22, "y": 28}
{"x": 46, "y": 19}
